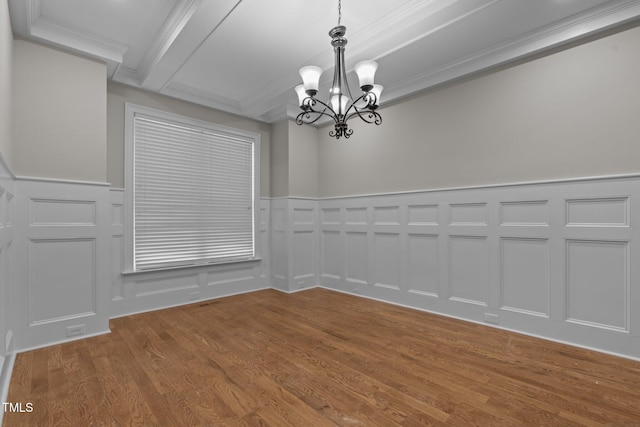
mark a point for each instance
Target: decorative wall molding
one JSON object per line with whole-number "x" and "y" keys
{"x": 294, "y": 244}
{"x": 7, "y": 259}
{"x": 555, "y": 259}
{"x": 586, "y": 24}
{"x": 62, "y": 181}
{"x": 62, "y": 261}
{"x": 140, "y": 292}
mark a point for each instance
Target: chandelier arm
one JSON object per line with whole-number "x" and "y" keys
{"x": 309, "y": 109}
{"x": 333, "y": 114}
{"x": 305, "y": 117}
{"x": 352, "y": 106}
{"x": 305, "y": 114}
{"x": 367, "y": 116}
{"x": 368, "y": 97}
{"x": 367, "y": 113}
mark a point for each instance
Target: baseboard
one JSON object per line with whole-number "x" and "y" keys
{"x": 63, "y": 341}
{"x": 438, "y": 313}
{"x": 182, "y": 303}
{"x": 296, "y": 290}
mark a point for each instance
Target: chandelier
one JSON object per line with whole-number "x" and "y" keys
{"x": 341, "y": 106}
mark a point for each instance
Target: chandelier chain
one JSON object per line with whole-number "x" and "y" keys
{"x": 339, "y": 12}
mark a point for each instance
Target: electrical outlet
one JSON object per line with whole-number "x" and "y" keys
{"x": 491, "y": 318}
{"x": 73, "y": 331}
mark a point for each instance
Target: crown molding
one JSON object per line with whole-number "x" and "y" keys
{"x": 172, "y": 28}
{"x": 189, "y": 25}
{"x": 106, "y": 50}
{"x": 567, "y": 31}
{"x": 27, "y": 22}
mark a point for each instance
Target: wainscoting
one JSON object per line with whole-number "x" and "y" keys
{"x": 140, "y": 292}
{"x": 7, "y": 200}
{"x": 62, "y": 260}
{"x": 294, "y": 244}
{"x": 555, "y": 260}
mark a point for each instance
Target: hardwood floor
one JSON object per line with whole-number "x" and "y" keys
{"x": 318, "y": 358}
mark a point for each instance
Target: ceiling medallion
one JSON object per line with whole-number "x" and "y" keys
{"x": 341, "y": 106}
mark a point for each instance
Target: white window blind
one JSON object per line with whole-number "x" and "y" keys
{"x": 193, "y": 195}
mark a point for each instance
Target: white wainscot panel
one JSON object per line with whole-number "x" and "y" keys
{"x": 117, "y": 214}
{"x": 469, "y": 269}
{"x": 229, "y": 275}
{"x": 597, "y": 283}
{"x": 356, "y": 215}
{"x": 279, "y": 218}
{"x": 525, "y": 276}
{"x": 62, "y": 281}
{"x": 423, "y": 214}
{"x": 386, "y": 252}
{"x": 356, "y": 257}
{"x": 3, "y": 208}
{"x": 279, "y": 256}
{"x": 330, "y": 216}
{"x": 8, "y": 221}
{"x": 265, "y": 245}
{"x": 387, "y": 215}
{"x": 303, "y": 254}
{"x": 304, "y": 216}
{"x": 423, "y": 264}
{"x": 468, "y": 214}
{"x": 529, "y": 213}
{"x": 265, "y": 239}
{"x": 603, "y": 212}
{"x": 331, "y": 255}
{"x": 117, "y": 264}
{"x": 165, "y": 284}
{"x": 62, "y": 212}
{"x": 264, "y": 215}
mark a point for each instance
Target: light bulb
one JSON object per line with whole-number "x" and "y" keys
{"x": 339, "y": 103}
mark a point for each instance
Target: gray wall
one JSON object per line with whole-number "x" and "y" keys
{"x": 571, "y": 114}
{"x": 280, "y": 159}
{"x": 6, "y": 61}
{"x": 59, "y": 114}
{"x": 294, "y": 160}
{"x": 118, "y": 95}
{"x": 303, "y": 160}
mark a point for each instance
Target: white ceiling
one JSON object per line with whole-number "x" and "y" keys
{"x": 243, "y": 56}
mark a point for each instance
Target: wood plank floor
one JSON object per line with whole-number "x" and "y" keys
{"x": 318, "y": 358}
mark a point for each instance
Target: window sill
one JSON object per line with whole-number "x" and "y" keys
{"x": 202, "y": 266}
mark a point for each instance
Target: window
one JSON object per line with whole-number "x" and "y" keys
{"x": 191, "y": 191}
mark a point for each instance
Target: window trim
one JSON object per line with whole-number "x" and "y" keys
{"x": 131, "y": 110}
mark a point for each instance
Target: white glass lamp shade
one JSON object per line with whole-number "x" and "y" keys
{"x": 377, "y": 90}
{"x": 311, "y": 78}
{"x": 339, "y": 103}
{"x": 302, "y": 95}
{"x": 366, "y": 71}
